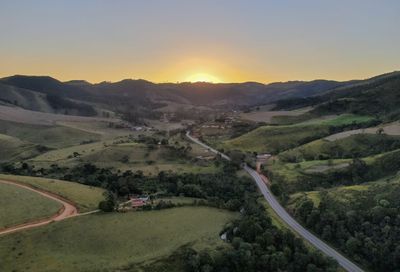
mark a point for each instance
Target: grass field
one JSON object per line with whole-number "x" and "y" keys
{"x": 41, "y": 117}
{"x": 63, "y": 154}
{"x": 268, "y": 115}
{"x": 15, "y": 149}
{"x": 124, "y": 154}
{"x": 98, "y": 127}
{"x": 178, "y": 200}
{"x": 85, "y": 197}
{"x": 275, "y": 139}
{"x": 339, "y": 120}
{"x": 389, "y": 129}
{"x": 51, "y": 136}
{"x": 109, "y": 242}
{"x": 140, "y": 157}
{"x": 93, "y": 150}
{"x": 356, "y": 145}
{"x": 19, "y": 205}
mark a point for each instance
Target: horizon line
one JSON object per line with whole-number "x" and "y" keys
{"x": 208, "y": 82}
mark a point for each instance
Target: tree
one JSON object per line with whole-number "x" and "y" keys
{"x": 352, "y": 245}
{"x": 304, "y": 209}
{"x": 109, "y": 204}
{"x": 358, "y": 169}
{"x": 125, "y": 159}
{"x": 237, "y": 158}
{"x": 276, "y": 189}
{"x": 106, "y": 206}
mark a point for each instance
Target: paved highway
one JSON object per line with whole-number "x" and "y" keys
{"x": 287, "y": 218}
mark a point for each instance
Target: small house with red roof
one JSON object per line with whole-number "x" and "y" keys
{"x": 140, "y": 201}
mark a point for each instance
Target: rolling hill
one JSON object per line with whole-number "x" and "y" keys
{"x": 78, "y": 97}
{"x": 378, "y": 96}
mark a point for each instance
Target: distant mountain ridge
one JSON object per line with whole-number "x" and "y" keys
{"x": 82, "y": 98}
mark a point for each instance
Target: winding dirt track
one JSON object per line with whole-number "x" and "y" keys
{"x": 68, "y": 209}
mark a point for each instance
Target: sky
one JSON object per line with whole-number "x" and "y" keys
{"x": 211, "y": 40}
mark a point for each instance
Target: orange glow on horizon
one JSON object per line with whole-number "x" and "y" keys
{"x": 203, "y": 77}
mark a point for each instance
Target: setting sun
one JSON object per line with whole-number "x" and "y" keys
{"x": 202, "y": 77}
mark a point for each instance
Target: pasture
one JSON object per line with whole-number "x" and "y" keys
{"x": 24, "y": 116}
{"x": 111, "y": 242}
{"x": 123, "y": 153}
{"x": 19, "y": 205}
{"x": 85, "y": 197}
{"x": 269, "y": 116}
{"x": 389, "y": 129}
{"x": 339, "y": 120}
{"x": 360, "y": 145}
{"x": 15, "y": 149}
{"x": 275, "y": 139}
{"x": 50, "y": 136}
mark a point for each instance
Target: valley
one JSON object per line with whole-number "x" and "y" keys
{"x": 331, "y": 177}
{"x": 199, "y": 136}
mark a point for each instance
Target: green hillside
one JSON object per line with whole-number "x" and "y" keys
{"x": 50, "y": 136}
{"x": 360, "y": 145}
{"x": 85, "y": 197}
{"x": 377, "y": 96}
{"x": 19, "y": 205}
{"x": 111, "y": 242}
{"x": 13, "y": 149}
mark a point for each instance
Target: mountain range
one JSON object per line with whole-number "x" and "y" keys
{"x": 79, "y": 97}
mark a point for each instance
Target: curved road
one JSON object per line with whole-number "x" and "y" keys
{"x": 68, "y": 210}
{"x": 287, "y": 218}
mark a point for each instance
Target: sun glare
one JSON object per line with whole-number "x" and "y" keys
{"x": 202, "y": 77}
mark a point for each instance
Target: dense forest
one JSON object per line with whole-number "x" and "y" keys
{"x": 366, "y": 226}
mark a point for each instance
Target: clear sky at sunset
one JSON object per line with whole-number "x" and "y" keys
{"x": 176, "y": 40}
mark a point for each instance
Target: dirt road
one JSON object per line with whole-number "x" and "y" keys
{"x": 68, "y": 209}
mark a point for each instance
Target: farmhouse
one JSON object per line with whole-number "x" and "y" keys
{"x": 140, "y": 201}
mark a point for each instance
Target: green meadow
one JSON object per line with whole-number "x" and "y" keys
{"x": 112, "y": 242}
{"x": 19, "y": 205}
{"x": 85, "y": 197}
